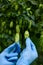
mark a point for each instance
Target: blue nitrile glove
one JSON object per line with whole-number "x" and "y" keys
{"x": 28, "y": 55}
{"x": 10, "y": 55}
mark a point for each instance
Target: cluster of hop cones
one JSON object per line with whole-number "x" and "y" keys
{"x": 17, "y": 35}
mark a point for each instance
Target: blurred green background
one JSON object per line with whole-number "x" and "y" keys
{"x": 29, "y": 15}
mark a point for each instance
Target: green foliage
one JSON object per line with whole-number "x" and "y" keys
{"x": 29, "y": 15}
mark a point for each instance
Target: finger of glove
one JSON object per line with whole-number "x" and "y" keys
{"x": 18, "y": 49}
{"x": 18, "y": 44}
{"x": 13, "y": 58}
{"x": 28, "y": 45}
{"x": 33, "y": 46}
{"x": 11, "y": 55}
{"x": 8, "y": 63}
{"x": 11, "y": 48}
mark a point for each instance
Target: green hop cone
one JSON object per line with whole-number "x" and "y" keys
{"x": 17, "y": 37}
{"x": 26, "y": 34}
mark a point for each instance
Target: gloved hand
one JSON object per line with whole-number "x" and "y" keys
{"x": 10, "y": 55}
{"x": 28, "y": 55}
